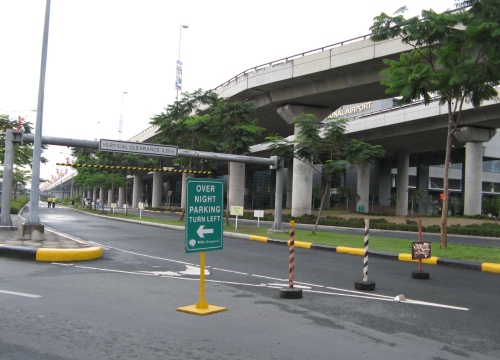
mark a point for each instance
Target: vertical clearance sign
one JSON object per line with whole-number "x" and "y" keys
{"x": 204, "y": 214}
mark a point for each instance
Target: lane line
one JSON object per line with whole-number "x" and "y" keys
{"x": 20, "y": 294}
{"x": 346, "y": 292}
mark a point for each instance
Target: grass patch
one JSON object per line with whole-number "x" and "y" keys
{"x": 455, "y": 252}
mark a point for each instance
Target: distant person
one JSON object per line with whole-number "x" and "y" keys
{"x": 49, "y": 200}
{"x": 98, "y": 204}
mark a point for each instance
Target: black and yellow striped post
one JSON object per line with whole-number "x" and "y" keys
{"x": 291, "y": 292}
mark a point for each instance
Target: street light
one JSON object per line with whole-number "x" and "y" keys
{"x": 120, "y": 122}
{"x": 96, "y": 123}
{"x": 178, "y": 78}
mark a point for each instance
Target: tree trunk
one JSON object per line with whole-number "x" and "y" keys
{"x": 444, "y": 215}
{"x": 319, "y": 212}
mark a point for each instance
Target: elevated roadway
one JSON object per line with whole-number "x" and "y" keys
{"x": 322, "y": 80}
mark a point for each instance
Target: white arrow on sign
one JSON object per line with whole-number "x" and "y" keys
{"x": 202, "y": 231}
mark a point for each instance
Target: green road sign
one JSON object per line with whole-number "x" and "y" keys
{"x": 204, "y": 214}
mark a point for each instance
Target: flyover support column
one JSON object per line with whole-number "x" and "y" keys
{"x": 302, "y": 185}
{"x": 111, "y": 197}
{"x": 8, "y": 175}
{"x": 402, "y": 182}
{"x": 385, "y": 182}
{"x": 157, "y": 189}
{"x": 363, "y": 187}
{"x": 474, "y": 138}
{"x": 423, "y": 184}
{"x": 473, "y": 182}
{"x": 302, "y": 170}
{"x": 137, "y": 190}
{"x": 121, "y": 197}
{"x": 278, "y": 203}
{"x": 289, "y": 184}
{"x": 185, "y": 175}
{"x": 236, "y": 184}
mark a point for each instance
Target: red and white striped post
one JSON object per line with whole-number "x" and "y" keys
{"x": 291, "y": 292}
{"x": 291, "y": 265}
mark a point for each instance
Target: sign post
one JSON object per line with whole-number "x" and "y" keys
{"x": 204, "y": 230}
{"x": 141, "y": 207}
{"x": 235, "y": 211}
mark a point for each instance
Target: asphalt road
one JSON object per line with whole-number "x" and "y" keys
{"x": 404, "y": 235}
{"x": 125, "y": 304}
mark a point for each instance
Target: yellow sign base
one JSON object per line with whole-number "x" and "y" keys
{"x": 202, "y": 307}
{"x": 194, "y": 309}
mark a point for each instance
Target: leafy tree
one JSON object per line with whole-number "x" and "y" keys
{"x": 326, "y": 145}
{"x": 184, "y": 124}
{"x": 455, "y": 55}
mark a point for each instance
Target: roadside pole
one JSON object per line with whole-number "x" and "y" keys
{"x": 204, "y": 230}
{"x": 291, "y": 292}
{"x": 365, "y": 284}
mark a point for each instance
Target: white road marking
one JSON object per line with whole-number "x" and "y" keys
{"x": 20, "y": 294}
{"x": 305, "y": 286}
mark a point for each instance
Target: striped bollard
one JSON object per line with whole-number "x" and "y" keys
{"x": 291, "y": 292}
{"x": 365, "y": 284}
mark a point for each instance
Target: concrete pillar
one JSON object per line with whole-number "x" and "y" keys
{"x": 289, "y": 184}
{"x": 121, "y": 197}
{"x": 157, "y": 189}
{"x": 272, "y": 193}
{"x": 363, "y": 187}
{"x": 473, "y": 182}
{"x": 111, "y": 197}
{"x": 402, "y": 182}
{"x": 8, "y": 175}
{"x": 474, "y": 138}
{"x": 236, "y": 184}
{"x": 185, "y": 175}
{"x": 423, "y": 184}
{"x": 302, "y": 171}
{"x": 170, "y": 192}
{"x": 302, "y": 187}
{"x": 385, "y": 183}
{"x": 136, "y": 190}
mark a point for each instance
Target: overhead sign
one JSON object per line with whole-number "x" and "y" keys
{"x": 204, "y": 214}
{"x": 138, "y": 148}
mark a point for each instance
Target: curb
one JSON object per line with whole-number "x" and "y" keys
{"x": 50, "y": 254}
{"x": 470, "y": 265}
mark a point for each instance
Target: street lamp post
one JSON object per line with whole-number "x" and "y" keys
{"x": 178, "y": 80}
{"x": 96, "y": 123}
{"x": 120, "y": 122}
{"x": 33, "y": 227}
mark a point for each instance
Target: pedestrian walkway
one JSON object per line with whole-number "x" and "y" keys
{"x": 55, "y": 246}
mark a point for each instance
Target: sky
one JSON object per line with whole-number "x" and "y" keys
{"x": 108, "y": 58}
